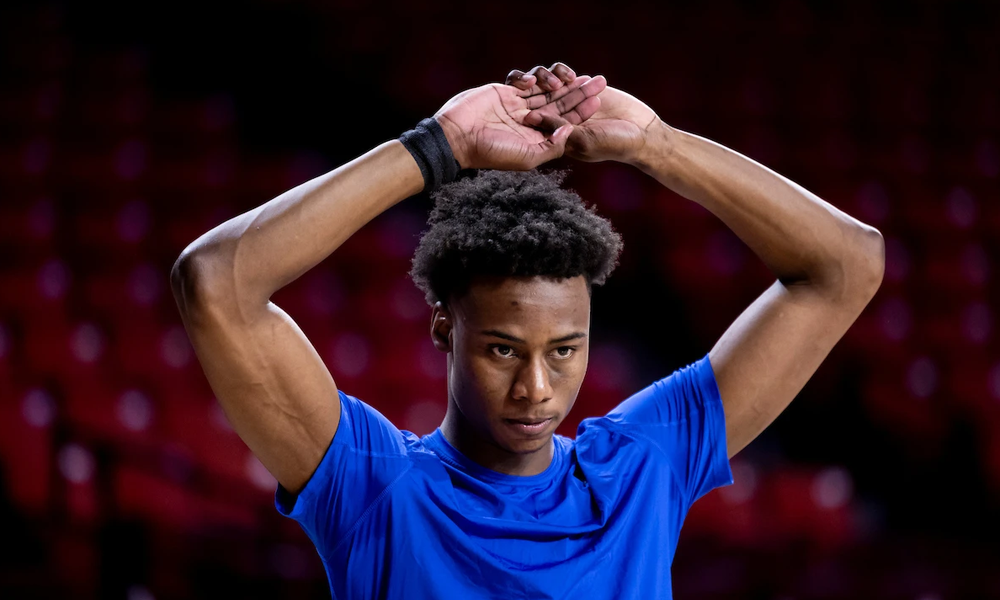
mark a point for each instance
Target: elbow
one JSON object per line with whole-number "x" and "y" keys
{"x": 870, "y": 266}
{"x": 853, "y": 274}
{"x": 859, "y": 270}
{"x": 198, "y": 280}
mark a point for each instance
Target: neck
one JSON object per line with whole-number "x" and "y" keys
{"x": 481, "y": 449}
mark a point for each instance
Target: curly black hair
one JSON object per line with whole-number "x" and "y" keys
{"x": 511, "y": 223}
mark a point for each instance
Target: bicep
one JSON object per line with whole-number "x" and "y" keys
{"x": 769, "y": 353}
{"x": 272, "y": 385}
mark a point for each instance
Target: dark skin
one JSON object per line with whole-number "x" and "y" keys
{"x": 282, "y": 400}
{"x": 272, "y": 384}
{"x": 827, "y": 264}
{"x": 517, "y": 351}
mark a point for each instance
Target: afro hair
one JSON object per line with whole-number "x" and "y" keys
{"x": 510, "y": 223}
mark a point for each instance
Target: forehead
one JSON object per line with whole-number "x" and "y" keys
{"x": 526, "y": 303}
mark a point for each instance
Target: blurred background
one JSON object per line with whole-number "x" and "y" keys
{"x": 128, "y": 129}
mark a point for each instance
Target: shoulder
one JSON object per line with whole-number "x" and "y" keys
{"x": 668, "y": 413}
{"x": 673, "y": 399}
{"x": 619, "y": 461}
{"x": 605, "y": 440}
{"x": 365, "y": 429}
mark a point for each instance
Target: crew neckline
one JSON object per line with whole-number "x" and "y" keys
{"x": 443, "y": 448}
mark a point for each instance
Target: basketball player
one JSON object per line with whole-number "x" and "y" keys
{"x": 492, "y": 504}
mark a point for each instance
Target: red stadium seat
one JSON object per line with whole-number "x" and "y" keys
{"x": 27, "y": 419}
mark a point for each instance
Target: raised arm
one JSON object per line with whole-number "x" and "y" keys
{"x": 828, "y": 265}
{"x": 273, "y": 386}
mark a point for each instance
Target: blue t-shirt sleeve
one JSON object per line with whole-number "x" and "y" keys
{"x": 682, "y": 416}
{"x": 367, "y": 455}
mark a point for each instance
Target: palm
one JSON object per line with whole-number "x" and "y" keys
{"x": 617, "y": 128}
{"x": 491, "y": 119}
{"x": 616, "y": 132}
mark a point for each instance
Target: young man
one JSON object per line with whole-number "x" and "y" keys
{"x": 492, "y": 504}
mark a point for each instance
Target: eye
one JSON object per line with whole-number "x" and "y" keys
{"x": 503, "y": 351}
{"x": 565, "y": 351}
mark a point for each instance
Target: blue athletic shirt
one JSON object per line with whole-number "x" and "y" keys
{"x": 394, "y": 515}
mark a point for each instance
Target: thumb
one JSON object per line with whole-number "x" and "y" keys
{"x": 554, "y": 146}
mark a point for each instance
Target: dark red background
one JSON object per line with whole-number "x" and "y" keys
{"x": 127, "y": 130}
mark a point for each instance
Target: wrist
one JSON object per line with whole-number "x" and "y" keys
{"x": 658, "y": 147}
{"x": 430, "y": 147}
{"x": 453, "y": 134}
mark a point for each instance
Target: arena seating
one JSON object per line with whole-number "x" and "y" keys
{"x": 106, "y": 418}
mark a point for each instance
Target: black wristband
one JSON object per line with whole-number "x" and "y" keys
{"x": 430, "y": 148}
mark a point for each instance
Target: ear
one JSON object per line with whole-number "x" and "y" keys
{"x": 441, "y": 324}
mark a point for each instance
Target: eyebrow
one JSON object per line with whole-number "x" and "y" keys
{"x": 506, "y": 336}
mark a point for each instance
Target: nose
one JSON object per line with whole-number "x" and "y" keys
{"x": 532, "y": 383}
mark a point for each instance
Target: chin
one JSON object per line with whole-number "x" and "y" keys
{"x": 517, "y": 445}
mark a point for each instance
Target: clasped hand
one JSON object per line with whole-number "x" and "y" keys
{"x": 539, "y": 116}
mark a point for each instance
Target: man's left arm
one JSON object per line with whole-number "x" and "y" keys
{"x": 828, "y": 265}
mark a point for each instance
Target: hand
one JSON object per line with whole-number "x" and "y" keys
{"x": 486, "y": 126}
{"x": 617, "y": 131}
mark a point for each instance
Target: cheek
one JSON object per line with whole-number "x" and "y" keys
{"x": 573, "y": 370}
{"x": 483, "y": 384}
{"x": 492, "y": 381}
{"x": 570, "y": 379}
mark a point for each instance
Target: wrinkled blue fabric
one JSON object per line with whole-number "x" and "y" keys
{"x": 394, "y": 515}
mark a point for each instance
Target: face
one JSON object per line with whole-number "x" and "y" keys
{"x": 517, "y": 354}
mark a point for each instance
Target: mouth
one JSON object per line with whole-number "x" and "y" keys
{"x": 529, "y": 426}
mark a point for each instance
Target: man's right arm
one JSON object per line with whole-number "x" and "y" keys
{"x": 273, "y": 386}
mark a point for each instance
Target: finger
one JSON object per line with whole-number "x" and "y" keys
{"x": 553, "y": 147}
{"x": 550, "y": 122}
{"x": 563, "y": 72}
{"x": 574, "y": 107}
{"x": 545, "y": 122}
{"x": 583, "y": 111}
{"x": 546, "y": 80}
{"x": 542, "y": 98}
{"x": 520, "y": 80}
{"x": 588, "y": 90}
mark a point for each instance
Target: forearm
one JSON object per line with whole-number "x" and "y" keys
{"x": 801, "y": 238}
{"x": 251, "y": 256}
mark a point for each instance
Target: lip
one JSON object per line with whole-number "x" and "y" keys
{"x": 529, "y": 429}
